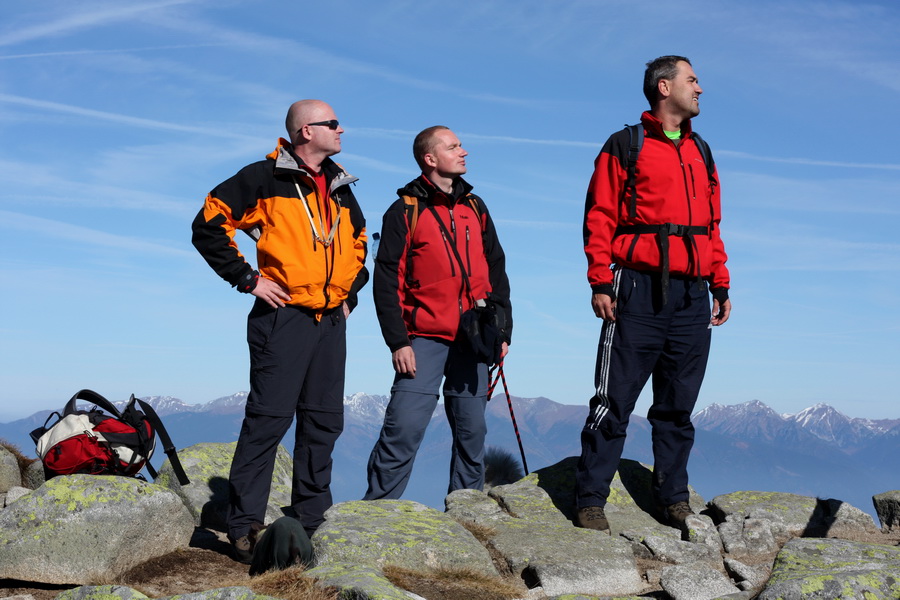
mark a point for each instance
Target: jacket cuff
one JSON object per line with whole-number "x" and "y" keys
{"x": 394, "y": 347}
{"x": 604, "y": 288}
{"x": 719, "y": 294}
{"x": 247, "y": 283}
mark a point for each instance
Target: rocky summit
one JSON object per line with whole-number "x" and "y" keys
{"x": 85, "y": 531}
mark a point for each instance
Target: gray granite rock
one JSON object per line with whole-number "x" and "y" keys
{"x": 207, "y": 467}
{"x": 678, "y": 552}
{"x": 792, "y": 515}
{"x": 701, "y": 530}
{"x": 830, "y": 568}
{"x": 79, "y": 529}
{"x": 695, "y": 582}
{"x": 226, "y": 593}
{"x": 359, "y": 582}
{"x": 743, "y": 537}
{"x": 100, "y": 592}
{"x": 33, "y": 477}
{"x": 10, "y": 475}
{"x": 887, "y": 507}
{"x": 398, "y": 532}
{"x": 14, "y": 494}
{"x": 753, "y": 577}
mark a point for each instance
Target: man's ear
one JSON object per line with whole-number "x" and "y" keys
{"x": 663, "y": 88}
{"x": 429, "y": 160}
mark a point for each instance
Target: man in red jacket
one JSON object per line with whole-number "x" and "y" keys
{"x": 439, "y": 254}
{"x": 654, "y": 257}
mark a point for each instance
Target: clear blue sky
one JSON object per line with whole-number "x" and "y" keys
{"x": 116, "y": 119}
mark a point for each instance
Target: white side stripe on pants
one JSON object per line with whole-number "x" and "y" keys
{"x": 609, "y": 328}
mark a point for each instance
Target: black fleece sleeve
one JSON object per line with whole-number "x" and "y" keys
{"x": 496, "y": 260}
{"x": 223, "y": 212}
{"x": 359, "y": 229}
{"x": 390, "y": 265}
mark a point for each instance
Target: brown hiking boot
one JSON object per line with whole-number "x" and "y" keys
{"x": 242, "y": 548}
{"x": 593, "y": 517}
{"x": 677, "y": 513}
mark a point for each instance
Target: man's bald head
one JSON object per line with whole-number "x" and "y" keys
{"x": 302, "y": 112}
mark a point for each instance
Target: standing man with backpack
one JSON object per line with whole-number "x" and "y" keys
{"x": 311, "y": 251}
{"x": 651, "y": 236}
{"x": 438, "y": 255}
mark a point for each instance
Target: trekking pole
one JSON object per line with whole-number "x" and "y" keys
{"x": 493, "y": 383}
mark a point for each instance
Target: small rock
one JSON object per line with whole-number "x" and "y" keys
{"x": 887, "y": 507}
{"x": 695, "y": 582}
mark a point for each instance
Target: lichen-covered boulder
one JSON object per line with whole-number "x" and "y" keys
{"x": 568, "y": 560}
{"x": 225, "y": 593}
{"x": 10, "y": 475}
{"x": 100, "y": 592}
{"x": 542, "y": 546}
{"x": 83, "y": 529}
{"x": 397, "y": 532}
{"x": 475, "y": 507}
{"x": 887, "y": 507}
{"x": 793, "y": 515}
{"x": 207, "y": 466}
{"x": 357, "y": 582}
{"x": 829, "y": 568}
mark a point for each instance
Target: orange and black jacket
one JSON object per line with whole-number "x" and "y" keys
{"x": 418, "y": 286}
{"x": 269, "y": 200}
{"x": 673, "y": 190}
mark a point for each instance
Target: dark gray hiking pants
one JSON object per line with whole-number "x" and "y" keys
{"x": 296, "y": 369}
{"x": 412, "y": 404}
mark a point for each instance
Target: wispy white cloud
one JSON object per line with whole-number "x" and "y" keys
{"x": 808, "y": 161}
{"x": 119, "y": 118}
{"x": 84, "y": 235}
{"x": 291, "y": 50}
{"x": 109, "y": 51}
{"x": 83, "y": 19}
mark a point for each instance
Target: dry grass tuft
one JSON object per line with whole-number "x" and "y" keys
{"x": 289, "y": 584}
{"x": 482, "y": 533}
{"x": 453, "y": 584}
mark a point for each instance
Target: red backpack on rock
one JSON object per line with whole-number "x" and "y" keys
{"x": 103, "y": 443}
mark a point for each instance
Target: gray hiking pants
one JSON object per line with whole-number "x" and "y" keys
{"x": 412, "y": 404}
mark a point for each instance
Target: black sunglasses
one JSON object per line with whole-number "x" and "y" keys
{"x": 332, "y": 124}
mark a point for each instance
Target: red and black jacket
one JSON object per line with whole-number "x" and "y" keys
{"x": 418, "y": 287}
{"x": 673, "y": 189}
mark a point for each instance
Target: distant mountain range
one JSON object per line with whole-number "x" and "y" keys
{"x": 816, "y": 452}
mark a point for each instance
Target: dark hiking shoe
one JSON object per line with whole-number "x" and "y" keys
{"x": 242, "y": 547}
{"x": 677, "y": 513}
{"x": 593, "y": 517}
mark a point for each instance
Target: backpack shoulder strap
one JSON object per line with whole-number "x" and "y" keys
{"x": 706, "y": 153}
{"x": 475, "y": 202}
{"x": 412, "y": 213}
{"x": 168, "y": 446}
{"x": 635, "y": 143}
